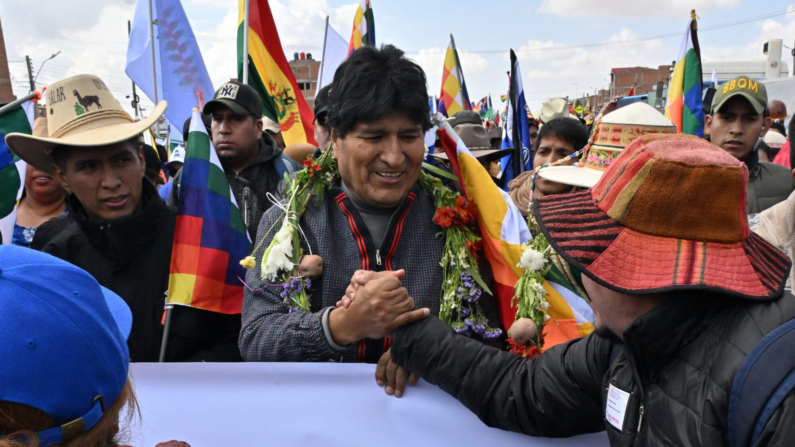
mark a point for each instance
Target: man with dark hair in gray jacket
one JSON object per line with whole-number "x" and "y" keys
{"x": 374, "y": 216}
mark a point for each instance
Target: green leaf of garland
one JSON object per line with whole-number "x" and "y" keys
{"x": 479, "y": 280}
{"x": 439, "y": 172}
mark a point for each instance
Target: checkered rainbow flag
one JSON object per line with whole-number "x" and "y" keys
{"x": 454, "y": 93}
{"x": 210, "y": 237}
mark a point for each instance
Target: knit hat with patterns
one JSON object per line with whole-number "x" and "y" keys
{"x": 613, "y": 133}
{"x": 668, "y": 214}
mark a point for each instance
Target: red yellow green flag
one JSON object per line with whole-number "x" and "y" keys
{"x": 270, "y": 74}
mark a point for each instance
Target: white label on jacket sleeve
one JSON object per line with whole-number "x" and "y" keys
{"x": 616, "y": 409}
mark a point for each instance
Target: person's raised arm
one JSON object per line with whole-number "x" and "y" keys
{"x": 557, "y": 394}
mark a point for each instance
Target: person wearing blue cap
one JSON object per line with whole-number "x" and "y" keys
{"x": 64, "y": 354}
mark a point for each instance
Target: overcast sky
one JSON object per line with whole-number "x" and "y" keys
{"x": 565, "y": 47}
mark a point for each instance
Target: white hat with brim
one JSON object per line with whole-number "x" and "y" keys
{"x": 555, "y": 108}
{"x": 614, "y": 132}
{"x": 177, "y": 156}
{"x": 775, "y": 139}
{"x": 571, "y": 175}
{"x": 81, "y": 111}
{"x": 270, "y": 125}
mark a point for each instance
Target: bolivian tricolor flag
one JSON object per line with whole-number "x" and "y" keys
{"x": 270, "y": 74}
{"x": 504, "y": 230}
{"x": 684, "y": 91}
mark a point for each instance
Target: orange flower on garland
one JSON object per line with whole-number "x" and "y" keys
{"x": 444, "y": 217}
{"x": 475, "y": 247}
{"x": 465, "y": 210}
{"x": 527, "y": 352}
{"x": 312, "y": 165}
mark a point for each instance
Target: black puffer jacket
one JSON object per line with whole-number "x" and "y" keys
{"x": 768, "y": 183}
{"x": 678, "y": 362}
{"x": 132, "y": 256}
{"x": 252, "y": 185}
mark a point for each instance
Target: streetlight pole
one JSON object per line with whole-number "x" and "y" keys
{"x": 42, "y": 65}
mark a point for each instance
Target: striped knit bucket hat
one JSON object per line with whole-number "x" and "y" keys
{"x": 668, "y": 214}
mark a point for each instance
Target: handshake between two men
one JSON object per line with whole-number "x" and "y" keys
{"x": 375, "y": 305}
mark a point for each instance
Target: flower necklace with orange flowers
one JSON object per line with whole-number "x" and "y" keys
{"x": 462, "y": 284}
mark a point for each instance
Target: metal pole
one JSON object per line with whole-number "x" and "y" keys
{"x": 153, "y": 43}
{"x": 168, "y": 140}
{"x": 166, "y": 331}
{"x": 14, "y": 104}
{"x": 323, "y": 60}
{"x": 134, "y": 102}
{"x": 245, "y": 42}
{"x": 30, "y": 74}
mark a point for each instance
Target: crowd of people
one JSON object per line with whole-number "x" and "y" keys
{"x": 681, "y": 245}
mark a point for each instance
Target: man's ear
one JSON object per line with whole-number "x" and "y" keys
{"x": 766, "y": 126}
{"x": 334, "y": 138}
{"x": 141, "y": 160}
{"x": 707, "y": 124}
{"x": 60, "y": 177}
{"x": 259, "y": 125}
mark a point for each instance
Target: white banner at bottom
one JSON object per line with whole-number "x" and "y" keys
{"x": 305, "y": 404}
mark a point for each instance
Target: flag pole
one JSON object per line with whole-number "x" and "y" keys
{"x": 323, "y": 60}
{"x": 517, "y": 140}
{"x": 135, "y": 98}
{"x": 13, "y": 105}
{"x": 166, "y": 331}
{"x": 153, "y": 43}
{"x": 245, "y": 41}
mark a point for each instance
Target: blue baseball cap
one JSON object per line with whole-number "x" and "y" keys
{"x": 64, "y": 341}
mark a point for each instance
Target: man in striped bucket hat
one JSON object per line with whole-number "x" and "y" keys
{"x": 682, "y": 291}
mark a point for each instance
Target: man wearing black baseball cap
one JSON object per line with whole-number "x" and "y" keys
{"x": 738, "y": 120}
{"x": 253, "y": 163}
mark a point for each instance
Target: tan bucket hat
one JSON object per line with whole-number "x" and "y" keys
{"x": 613, "y": 133}
{"x": 81, "y": 111}
{"x": 40, "y": 127}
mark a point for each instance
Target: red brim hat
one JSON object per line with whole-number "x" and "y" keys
{"x": 668, "y": 214}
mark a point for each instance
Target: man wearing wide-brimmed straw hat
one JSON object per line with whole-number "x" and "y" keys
{"x": 681, "y": 289}
{"x": 612, "y": 134}
{"x": 123, "y": 231}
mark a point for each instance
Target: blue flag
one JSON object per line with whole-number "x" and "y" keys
{"x": 180, "y": 69}
{"x": 518, "y": 128}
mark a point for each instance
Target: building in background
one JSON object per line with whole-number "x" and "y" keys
{"x": 306, "y": 71}
{"x": 644, "y": 80}
{"x": 6, "y": 91}
{"x": 771, "y": 67}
